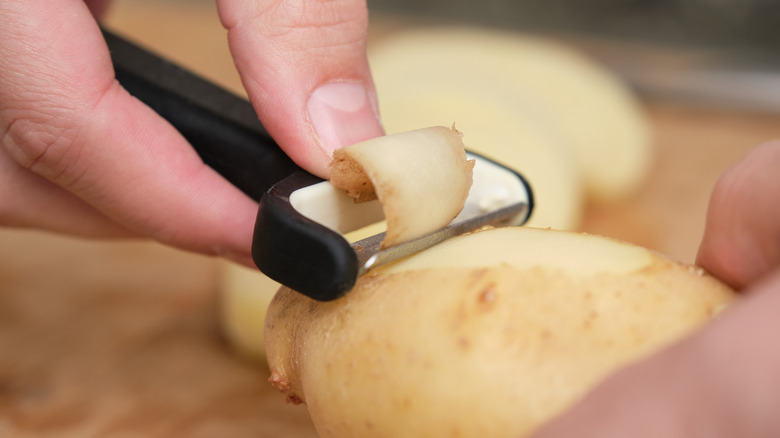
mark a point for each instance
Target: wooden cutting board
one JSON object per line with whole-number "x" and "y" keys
{"x": 122, "y": 339}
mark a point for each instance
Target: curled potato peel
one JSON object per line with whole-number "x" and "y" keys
{"x": 421, "y": 177}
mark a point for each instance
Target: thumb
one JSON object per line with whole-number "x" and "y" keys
{"x": 303, "y": 64}
{"x": 741, "y": 241}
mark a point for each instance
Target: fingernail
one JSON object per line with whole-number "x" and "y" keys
{"x": 342, "y": 113}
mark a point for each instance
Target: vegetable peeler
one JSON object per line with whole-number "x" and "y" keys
{"x": 298, "y": 237}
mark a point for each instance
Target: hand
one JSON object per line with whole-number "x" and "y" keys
{"x": 80, "y": 156}
{"x": 723, "y": 381}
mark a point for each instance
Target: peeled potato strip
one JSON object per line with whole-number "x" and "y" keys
{"x": 421, "y": 177}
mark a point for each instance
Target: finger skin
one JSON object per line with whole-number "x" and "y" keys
{"x": 64, "y": 118}
{"x": 724, "y": 381}
{"x": 28, "y": 200}
{"x": 741, "y": 241}
{"x": 286, "y": 50}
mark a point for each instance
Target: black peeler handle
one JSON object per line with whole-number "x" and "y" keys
{"x": 224, "y": 130}
{"x": 222, "y": 127}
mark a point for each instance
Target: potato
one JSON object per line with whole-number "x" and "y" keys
{"x": 499, "y": 128}
{"x": 244, "y": 297}
{"x": 485, "y": 335}
{"x": 470, "y": 75}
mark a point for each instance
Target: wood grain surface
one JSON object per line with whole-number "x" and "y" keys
{"x": 122, "y": 339}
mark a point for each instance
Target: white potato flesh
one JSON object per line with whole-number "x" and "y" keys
{"x": 501, "y": 129}
{"x": 548, "y": 250}
{"x": 422, "y": 178}
{"x": 490, "y": 342}
{"x": 244, "y": 297}
{"x": 592, "y": 111}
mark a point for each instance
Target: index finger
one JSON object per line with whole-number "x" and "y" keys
{"x": 64, "y": 117}
{"x": 303, "y": 64}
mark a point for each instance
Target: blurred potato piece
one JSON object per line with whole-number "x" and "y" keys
{"x": 577, "y": 103}
{"x": 486, "y": 335}
{"x": 244, "y": 297}
{"x": 499, "y": 128}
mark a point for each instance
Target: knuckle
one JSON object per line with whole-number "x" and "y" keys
{"x": 43, "y": 144}
{"x": 314, "y": 23}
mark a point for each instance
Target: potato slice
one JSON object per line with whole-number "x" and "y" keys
{"x": 244, "y": 297}
{"x": 421, "y": 177}
{"x": 486, "y": 335}
{"x": 499, "y": 128}
{"x": 561, "y": 90}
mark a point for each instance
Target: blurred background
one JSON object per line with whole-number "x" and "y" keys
{"x": 734, "y": 24}
{"x": 717, "y": 52}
